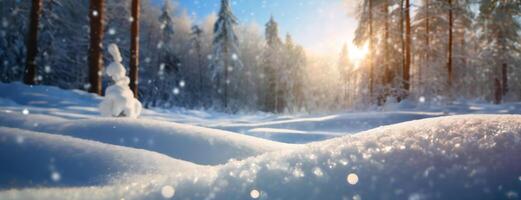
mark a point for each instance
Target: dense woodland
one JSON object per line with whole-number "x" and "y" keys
{"x": 431, "y": 51}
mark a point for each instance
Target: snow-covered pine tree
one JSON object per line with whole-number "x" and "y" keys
{"x": 197, "y": 46}
{"x": 32, "y": 43}
{"x": 46, "y": 46}
{"x": 251, "y": 76}
{"x": 168, "y": 62}
{"x": 291, "y": 75}
{"x": 14, "y": 18}
{"x": 225, "y": 52}
{"x": 96, "y": 16}
{"x": 500, "y": 33}
{"x": 272, "y": 66}
{"x": 119, "y": 100}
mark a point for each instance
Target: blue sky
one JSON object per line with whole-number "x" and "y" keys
{"x": 320, "y": 25}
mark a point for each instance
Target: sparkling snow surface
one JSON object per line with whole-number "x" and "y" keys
{"x": 54, "y": 145}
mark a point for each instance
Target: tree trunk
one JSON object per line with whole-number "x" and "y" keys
{"x": 134, "y": 48}
{"x": 408, "y": 40}
{"x": 498, "y": 92}
{"x": 504, "y": 75}
{"x": 402, "y": 41}
{"x": 96, "y": 13}
{"x": 226, "y": 81}
{"x": 387, "y": 75}
{"x": 32, "y": 43}
{"x": 427, "y": 44}
{"x": 449, "y": 61}
{"x": 371, "y": 49}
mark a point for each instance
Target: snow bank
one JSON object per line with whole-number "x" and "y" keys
{"x": 34, "y": 159}
{"x": 46, "y": 96}
{"x": 185, "y": 142}
{"x": 460, "y": 157}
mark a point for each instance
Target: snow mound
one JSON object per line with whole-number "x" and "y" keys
{"x": 460, "y": 157}
{"x": 34, "y": 159}
{"x": 185, "y": 142}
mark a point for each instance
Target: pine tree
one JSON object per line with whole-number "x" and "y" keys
{"x": 225, "y": 50}
{"x": 14, "y": 18}
{"x": 273, "y": 99}
{"x": 97, "y": 14}
{"x": 32, "y": 43}
{"x": 168, "y": 62}
{"x": 197, "y": 46}
{"x": 167, "y": 25}
{"x": 291, "y": 76}
{"x": 134, "y": 47}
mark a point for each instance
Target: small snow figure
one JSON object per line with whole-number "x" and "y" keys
{"x": 119, "y": 100}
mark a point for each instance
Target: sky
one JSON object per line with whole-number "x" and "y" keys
{"x": 321, "y": 26}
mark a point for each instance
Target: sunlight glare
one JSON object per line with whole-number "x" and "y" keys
{"x": 356, "y": 54}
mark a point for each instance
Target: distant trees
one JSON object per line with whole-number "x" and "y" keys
{"x": 345, "y": 68}
{"x": 32, "y": 43}
{"x": 96, "y": 16}
{"x": 15, "y": 20}
{"x": 386, "y": 65}
{"x": 283, "y": 71}
{"x": 441, "y": 35}
{"x": 500, "y": 33}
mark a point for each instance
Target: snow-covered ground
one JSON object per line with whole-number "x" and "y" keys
{"x": 55, "y": 145}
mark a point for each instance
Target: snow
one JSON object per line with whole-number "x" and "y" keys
{"x": 119, "y": 100}
{"x": 62, "y": 149}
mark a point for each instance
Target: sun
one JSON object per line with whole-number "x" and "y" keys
{"x": 357, "y": 54}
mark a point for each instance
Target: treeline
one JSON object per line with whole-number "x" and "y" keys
{"x": 436, "y": 51}
{"x": 216, "y": 64}
{"x": 439, "y": 50}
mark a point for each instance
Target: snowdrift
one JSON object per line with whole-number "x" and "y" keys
{"x": 460, "y": 157}
{"x": 34, "y": 159}
{"x": 184, "y": 142}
